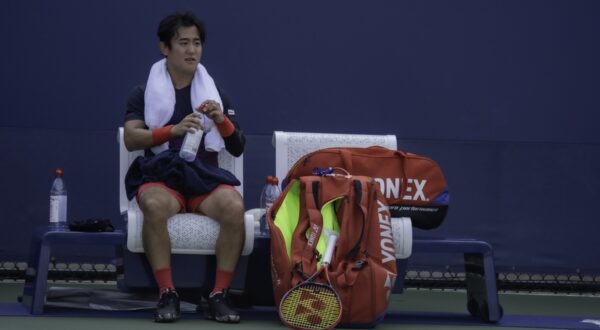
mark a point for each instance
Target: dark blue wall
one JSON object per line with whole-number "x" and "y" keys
{"x": 503, "y": 94}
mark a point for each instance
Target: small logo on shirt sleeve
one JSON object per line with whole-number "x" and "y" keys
{"x": 230, "y": 112}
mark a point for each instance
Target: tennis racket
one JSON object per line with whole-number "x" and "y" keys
{"x": 311, "y": 305}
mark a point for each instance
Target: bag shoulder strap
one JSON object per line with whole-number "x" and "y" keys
{"x": 315, "y": 223}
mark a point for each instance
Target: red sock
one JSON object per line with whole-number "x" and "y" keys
{"x": 163, "y": 279}
{"x": 222, "y": 281}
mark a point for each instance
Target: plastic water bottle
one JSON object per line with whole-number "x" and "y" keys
{"x": 191, "y": 143}
{"x": 58, "y": 202}
{"x": 268, "y": 196}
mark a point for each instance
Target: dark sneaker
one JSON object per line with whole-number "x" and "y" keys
{"x": 219, "y": 309}
{"x": 167, "y": 309}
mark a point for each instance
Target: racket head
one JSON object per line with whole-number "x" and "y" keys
{"x": 310, "y": 306}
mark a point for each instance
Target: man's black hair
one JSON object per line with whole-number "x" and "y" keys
{"x": 169, "y": 25}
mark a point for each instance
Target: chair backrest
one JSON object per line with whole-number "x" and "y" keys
{"x": 290, "y": 146}
{"x": 226, "y": 161}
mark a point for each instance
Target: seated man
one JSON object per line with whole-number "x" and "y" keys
{"x": 158, "y": 116}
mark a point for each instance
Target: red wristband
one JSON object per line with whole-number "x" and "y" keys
{"x": 161, "y": 135}
{"x": 226, "y": 128}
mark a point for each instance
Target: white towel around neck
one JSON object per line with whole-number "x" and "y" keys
{"x": 159, "y": 102}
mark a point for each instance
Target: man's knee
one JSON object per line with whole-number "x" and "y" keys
{"x": 231, "y": 207}
{"x": 156, "y": 206}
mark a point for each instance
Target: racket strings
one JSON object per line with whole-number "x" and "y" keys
{"x": 311, "y": 306}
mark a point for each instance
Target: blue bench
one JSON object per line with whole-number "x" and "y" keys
{"x": 482, "y": 291}
{"x": 42, "y": 243}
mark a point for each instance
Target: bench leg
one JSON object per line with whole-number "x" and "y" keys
{"x": 36, "y": 277}
{"x": 482, "y": 292}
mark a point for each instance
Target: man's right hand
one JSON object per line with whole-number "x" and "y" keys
{"x": 191, "y": 123}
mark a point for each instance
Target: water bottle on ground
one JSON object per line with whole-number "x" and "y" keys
{"x": 269, "y": 194}
{"x": 58, "y": 202}
{"x": 191, "y": 143}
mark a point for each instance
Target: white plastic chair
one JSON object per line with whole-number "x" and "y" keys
{"x": 290, "y": 146}
{"x": 190, "y": 233}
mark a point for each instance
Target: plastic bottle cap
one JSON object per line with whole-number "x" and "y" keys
{"x": 58, "y": 172}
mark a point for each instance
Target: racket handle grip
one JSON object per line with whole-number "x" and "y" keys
{"x": 330, "y": 247}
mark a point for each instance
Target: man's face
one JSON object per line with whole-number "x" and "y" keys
{"x": 185, "y": 52}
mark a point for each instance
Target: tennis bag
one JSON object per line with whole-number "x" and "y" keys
{"x": 413, "y": 185}
{"x": 363, "y": 267}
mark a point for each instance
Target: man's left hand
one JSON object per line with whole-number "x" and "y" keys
{"x": 212, "y": 110}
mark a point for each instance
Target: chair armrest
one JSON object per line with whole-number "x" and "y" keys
{"x": 403, "y": 237}
{"x": 256, "y": 214}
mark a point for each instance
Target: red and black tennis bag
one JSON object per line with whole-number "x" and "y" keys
{"x": 413, "y": 185}
{"x": 363, "y": 267}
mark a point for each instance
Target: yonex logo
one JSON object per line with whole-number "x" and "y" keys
{"x": 387, "y": 240}
{"x": 313, "y": 235}
{"x": 310, "y": 307}
{"x": 413, "y": 191}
